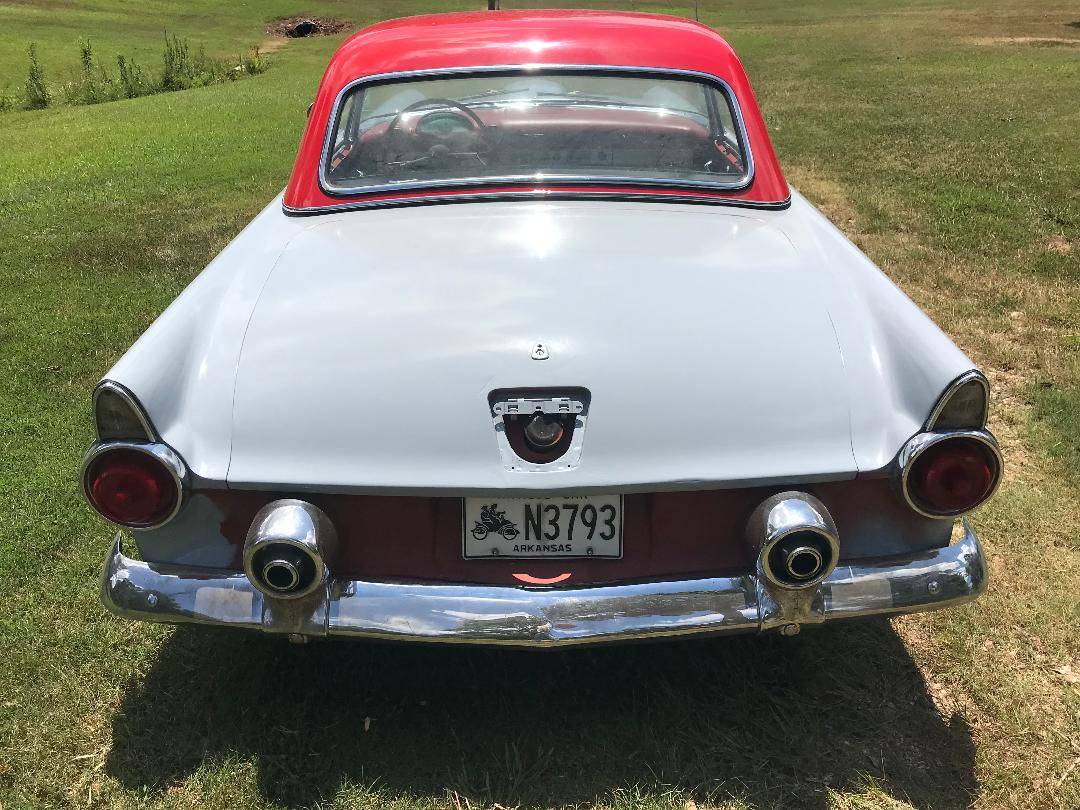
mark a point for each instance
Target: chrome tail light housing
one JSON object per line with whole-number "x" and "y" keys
{"x": 963, "y": 405}
{"x": 947, "y": 474}
{"x": 129, "y": 475}
{"x": 118, "y": 415}
{"x": 138, "y": 485}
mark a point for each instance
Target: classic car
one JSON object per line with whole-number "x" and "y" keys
{"x": 539, "y": 348}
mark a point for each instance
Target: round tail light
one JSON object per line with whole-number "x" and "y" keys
{"x": 133, "y": 485}
{"x": 948, "y": 475}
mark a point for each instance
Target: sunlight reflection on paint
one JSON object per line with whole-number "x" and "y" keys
{"x": 875, "y": 358}
{"x": 538, "y": 45}
{"x": 538, "y": 232}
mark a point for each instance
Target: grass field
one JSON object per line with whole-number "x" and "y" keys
{"x": 941, "y": 135}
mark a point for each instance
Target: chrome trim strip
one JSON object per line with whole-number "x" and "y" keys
{"x": 533, "y": 179}
{"x": 149, "y": 433}
{"x": 951, "y": 389}
{"x": 534, "y": 194}
{"x": 920, "y": 442}
{"x": 496, "y": 615}
{"x": 159, "y": 450}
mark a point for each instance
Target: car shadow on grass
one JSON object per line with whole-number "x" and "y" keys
{"x": 773, "y": 721}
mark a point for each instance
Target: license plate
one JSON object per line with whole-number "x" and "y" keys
{"x": 577, "y": 526}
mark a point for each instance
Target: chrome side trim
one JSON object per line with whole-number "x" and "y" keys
{"x": 920, "y": 442}
{"x": 533, "y": 179}
{"x": 951, "y": 389}
{"x": 159, "y": 450}
{"x": 496, "y": 615}
{"x": 149, "y": 433}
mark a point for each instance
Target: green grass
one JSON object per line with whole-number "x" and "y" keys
{"x": 945, "y": 149}
{"x": 118, "y": 26}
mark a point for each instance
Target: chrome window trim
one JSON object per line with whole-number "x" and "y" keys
{"x": 951, "y": 389}
{"x": 149, "y": 433}
{"x": 527, "y": 195}
{"x": 534, "y": 179}
{"x": 921, "y": 442}
{"x": 159, "y": 450}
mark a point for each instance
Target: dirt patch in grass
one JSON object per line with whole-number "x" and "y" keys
{"x": 1045, "y": 42}
{"x": 273, "y": 44}
{"x": 304, "y": 26}
{"x": 1059, "y": 244}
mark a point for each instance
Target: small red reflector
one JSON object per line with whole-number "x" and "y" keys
{"x": 952, "y": 476}
{"x": 529, "y": 579}
{"x": 131, "y": 488}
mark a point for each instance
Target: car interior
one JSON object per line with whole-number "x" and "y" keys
{"x": 609, "y": 127}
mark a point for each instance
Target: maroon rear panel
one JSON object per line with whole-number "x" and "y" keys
{"x": 668, "y": 535}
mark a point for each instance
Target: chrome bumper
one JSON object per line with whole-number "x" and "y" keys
{"x": 484, "y": 614}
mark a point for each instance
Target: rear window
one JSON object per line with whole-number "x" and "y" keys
{"x": 607, "y": 128}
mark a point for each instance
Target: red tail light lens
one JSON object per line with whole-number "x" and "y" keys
{"x": 952, "y": 476}
{"x": 132, "y": 487}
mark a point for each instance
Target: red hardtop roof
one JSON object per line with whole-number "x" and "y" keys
{"x": 528, "y": 38}
{"x": 566, "y": 37}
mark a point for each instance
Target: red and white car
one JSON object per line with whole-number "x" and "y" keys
{"x": 538, "y": 348}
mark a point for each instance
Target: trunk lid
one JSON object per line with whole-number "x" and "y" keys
{"x": 706, "y": 345}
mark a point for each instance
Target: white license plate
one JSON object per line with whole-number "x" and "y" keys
{"x": 575, "y": 526}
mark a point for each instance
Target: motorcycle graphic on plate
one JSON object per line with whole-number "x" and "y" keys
{"x": 494, "y": 520}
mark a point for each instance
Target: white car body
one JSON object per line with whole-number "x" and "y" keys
{"x": 806, "y": 361}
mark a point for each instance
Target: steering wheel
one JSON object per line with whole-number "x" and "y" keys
{"x": 479, "y": 127}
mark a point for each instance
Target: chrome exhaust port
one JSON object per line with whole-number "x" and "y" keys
{"x": 801, "y": 562}
{"x": 289, "y": 548}
{"x": 288, "y": 570}
{"x": 795, "y": 539}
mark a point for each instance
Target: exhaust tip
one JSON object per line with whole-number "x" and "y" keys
{"x": 288, "y": 549}
{"x": 280, "y": 575}
{"x": 802, "y": 562}
{"x": 799, "y": 558}
{"x": 796, "y": 539}
{"x": 284, "y": 569}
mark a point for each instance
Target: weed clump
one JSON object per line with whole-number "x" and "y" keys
{"x": 181, "y": 68}
{"x": 133, "y": 81}
{"x": 176, "y": 70}
{"x": 254, "y": 63}
{"x": 37, "y": 92}
{"x": 92, "y": 84}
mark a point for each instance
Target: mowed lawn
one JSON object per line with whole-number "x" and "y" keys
{"x": 943, "y": 136}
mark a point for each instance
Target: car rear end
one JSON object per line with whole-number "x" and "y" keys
{"x": 544, "y": 569}
{"x": 539, "y": 349}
